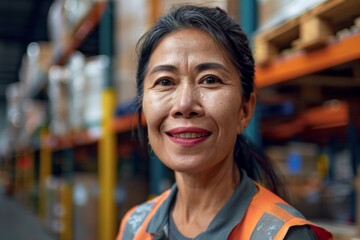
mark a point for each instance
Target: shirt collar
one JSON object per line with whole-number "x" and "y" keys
{"x": 224, "y": 222}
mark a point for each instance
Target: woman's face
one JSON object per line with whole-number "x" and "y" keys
{"x": 192, "y": 102}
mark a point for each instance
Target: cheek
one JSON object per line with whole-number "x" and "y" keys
{"x": 155, "y": 109}
{"x": 224, "y": 105}
{"x": 225, "y": 109}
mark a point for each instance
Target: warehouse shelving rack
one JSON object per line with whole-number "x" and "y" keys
{"x": 277, "y": 71}
{"x": 322, "y": 38}
{"x": 296, "y": 68}
{"x": 306, "y": 63}
{"x": 101, "y": 15}
{"x": 304, "y": 66}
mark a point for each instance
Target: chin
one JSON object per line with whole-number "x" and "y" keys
{"x": 188, "y": 167}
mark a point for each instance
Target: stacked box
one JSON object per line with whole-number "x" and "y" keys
{"x": 295, "y": 160}
{"x": 85, "y": 206}
{"x": 165, "y": 5}
{"x": 53, "y": 208}
{"x": 274, "y": 12}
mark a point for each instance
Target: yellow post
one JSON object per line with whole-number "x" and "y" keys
{"x": 66, "y": 204}
{"x": 107, "y": 169}
{"x": 45, "y": 170}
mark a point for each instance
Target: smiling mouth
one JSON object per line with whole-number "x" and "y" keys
{"x": 189, "y": 135}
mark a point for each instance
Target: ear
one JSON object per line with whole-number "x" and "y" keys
{"x": 246, "y": 112}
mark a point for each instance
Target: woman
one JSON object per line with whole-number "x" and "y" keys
{"x": 195, "y": 86}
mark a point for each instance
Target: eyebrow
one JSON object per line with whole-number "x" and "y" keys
{"x": 198, "y": 68}
{"x": 210, "y": 65}
{"x": 160, "y": 68}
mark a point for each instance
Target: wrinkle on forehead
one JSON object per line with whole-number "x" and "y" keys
{"x": 187, "y": 49}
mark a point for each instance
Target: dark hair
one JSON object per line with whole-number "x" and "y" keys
{"x": 230, "y": 38}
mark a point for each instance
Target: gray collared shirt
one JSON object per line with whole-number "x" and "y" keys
{"x": 224, "y": 222}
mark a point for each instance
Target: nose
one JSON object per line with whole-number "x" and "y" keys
{"x": 187, "y": 102}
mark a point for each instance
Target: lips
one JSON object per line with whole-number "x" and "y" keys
{"x": 188, "y": 136}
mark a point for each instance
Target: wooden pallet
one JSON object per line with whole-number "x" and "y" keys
{"x": 311, "y": 30}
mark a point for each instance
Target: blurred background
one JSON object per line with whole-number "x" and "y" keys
{"x": 70, "y": 166}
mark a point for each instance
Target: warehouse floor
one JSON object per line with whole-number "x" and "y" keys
{"x": 18, "y": 223}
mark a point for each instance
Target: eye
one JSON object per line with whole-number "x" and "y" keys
{"x": 164, "y": 82}
{"x": 211, "y": 80}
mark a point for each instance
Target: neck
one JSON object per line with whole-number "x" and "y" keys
{"x": 202, "y": 195}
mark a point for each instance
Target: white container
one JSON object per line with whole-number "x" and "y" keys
{"x": 58, "y": 91}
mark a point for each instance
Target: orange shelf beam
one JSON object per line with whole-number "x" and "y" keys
{"x": 127, "y": 123}
{"x": 281, "y": 70}
{"x": 120, "y": 125}
{"x": 323, "y": 117}
{"x": 70, "y": 140}
{"x": 327, "y": 116}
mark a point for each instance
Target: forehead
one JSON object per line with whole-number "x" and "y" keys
{"x": 190, "y": 43}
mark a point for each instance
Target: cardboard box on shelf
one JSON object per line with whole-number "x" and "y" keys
{"x": 165, "y": 5}
{"x": 85, "y": 206}
{"x": 53, "y": 208}
{"x": 295, "y": 159}
{"x": 296, "y": 164}
{"x": 305, "y": 166}
{"x": 274, "y": 12}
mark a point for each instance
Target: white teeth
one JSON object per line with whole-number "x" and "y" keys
{"x": 189, "y": 135}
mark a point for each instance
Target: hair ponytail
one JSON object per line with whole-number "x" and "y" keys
{"x": 257, "y": 165}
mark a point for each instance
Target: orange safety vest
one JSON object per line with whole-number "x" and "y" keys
{"x": 264, "y": 203}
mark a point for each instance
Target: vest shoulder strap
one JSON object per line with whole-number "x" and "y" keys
{"x": 269, "y": 215}
{"x": 136, "y": 219}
